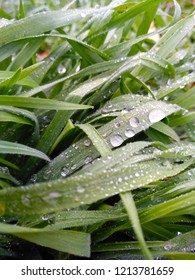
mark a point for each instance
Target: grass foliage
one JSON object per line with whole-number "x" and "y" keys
{"x": 97, "y": 129}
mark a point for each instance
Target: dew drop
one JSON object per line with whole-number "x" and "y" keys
{"x": 73, "y": 167}
{"x": 117, "y": 124}
{"x": 61, "y": 69}
{"x": 120, "y": 179}
{"x": 134, "y": 122}
{"x": 83, "y": 15}
{"x": 44, "y": 218}
{"x": 33, "y": 178}
{"x": 156, "y": 115}
{"x": 167, "y": 246}
{"x": 47, "y": 174}
{"x": 80, "y": 189}
{"x": 88, "y": 160}
{"x": 64, "y": 172}
{"x": 54, "y": 194}
{"x": 125, "y": 111}
{"x": 87, "y": 142}
{"x": 129, "y": 133}
{"x": 116, "y": 140}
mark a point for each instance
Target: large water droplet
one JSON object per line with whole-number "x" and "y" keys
{"x": 61, "y": 69}
{"x": 134, "y": 122}
{"x": 64, "y": 172}
{"x": 87, "y": 142}
{"x": 116, "y": 140}
{"x": 129, "y": 133}
{"x": 156, "y": 115}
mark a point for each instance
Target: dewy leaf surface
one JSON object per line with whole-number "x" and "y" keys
{"x": 115, "y": 133}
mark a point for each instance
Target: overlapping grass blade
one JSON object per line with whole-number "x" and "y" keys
{"x": 72, "y": 242}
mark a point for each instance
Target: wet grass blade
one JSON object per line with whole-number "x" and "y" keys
{"x": 130, "y": 207}
{"x": 15, "y": 148}
{"x": 39, "y": 103}
{"x": 72, "y": 242}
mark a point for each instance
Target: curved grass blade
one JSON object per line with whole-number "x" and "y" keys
{"x": 120, "y": 19}
{"x": 168, "y": 207}
{"x": 9, "y": 117}
{"x": 72, "y": 242}
{"x": 88, "y": 187}
{"x": 174, "y": 35}
{"x": 130, "y": 207}
{"x": 8, "y": 164}
{"x": 97, "y": 140}
{"x": 39, "y": 103}
{"x": 15, "y": 148}
{"x": 77, "y": 218}
{"x": 167, "y": 130}
{"x": 50, "y": 20}
{"x": 176, "y": 85}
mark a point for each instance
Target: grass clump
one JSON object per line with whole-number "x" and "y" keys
{"x": 97, "y": 130}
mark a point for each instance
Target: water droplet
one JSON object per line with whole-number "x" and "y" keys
{"x": 88, "y": 160}
{"x": 167, "y": 246}
{"x": 83, "y": 15}
{"x": 125, "y": 111}
{"x": 134, "y": 122}
{"x": 129, "y": 133}
{"x": 47, "y": 174}
{"x": 87, "y": 142}
{"x": 61, "y": 69}
{"x": 116, "y": 140}
{"x": 117, "y": 125}
{"x": 64, "y": 172}
{"x": 80, "y": 189}
{"x": 179, "y": 233}
{"x": 73, "y": 166}
{"x": 156, "y": 115}
{"x": 44, "y": 218}
{"x": 33, "y": 178}
{"x": 54, "y": 194}
{"x": 120, "y": 179}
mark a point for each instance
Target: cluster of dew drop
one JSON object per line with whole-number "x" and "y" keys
{"x": 66, "y": 170}
{"x": 135, "y": 126}
{"x": 115, "y": 133}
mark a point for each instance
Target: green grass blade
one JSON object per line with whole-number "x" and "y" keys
{"x": 50, "y": 20}
{"x": 15, "y": 148}
{"x": 8, "y": 117}
{"x": 72, "y": 242}
{"x": 39, "y": 103}
{"x": 96, "y": 138}
{"x": 130, "y": 207}
{"x": 85, "y": 188}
